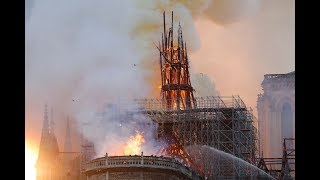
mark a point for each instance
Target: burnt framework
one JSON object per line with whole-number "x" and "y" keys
{"x": 176, "y": 89}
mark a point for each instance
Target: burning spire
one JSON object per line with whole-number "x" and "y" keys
{"x": 176, "y": 89}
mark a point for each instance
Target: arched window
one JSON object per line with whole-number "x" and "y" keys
{"x": 287, "y": 121}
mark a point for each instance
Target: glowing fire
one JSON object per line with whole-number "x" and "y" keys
{"x": 133, "y": 146}
{"x": 31, "y": 155}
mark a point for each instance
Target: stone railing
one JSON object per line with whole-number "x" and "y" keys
{"x": 109, "y": 162}
{"x": 278, "y": 81}
{"x": 272, "y": 76}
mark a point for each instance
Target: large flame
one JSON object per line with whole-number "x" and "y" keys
{"x": 134, "y": 144}
{"x": 31, "y": 155}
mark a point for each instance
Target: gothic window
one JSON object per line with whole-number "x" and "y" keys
{"x": 287, "y": 121}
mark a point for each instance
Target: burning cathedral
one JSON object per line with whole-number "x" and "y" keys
{"x": 202, "y": 137}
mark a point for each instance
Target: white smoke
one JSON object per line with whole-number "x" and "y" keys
{"x": 203, "y": 85}
{"x": 111, "y": 129}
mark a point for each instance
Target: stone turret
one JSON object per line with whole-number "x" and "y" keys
{"x": 48, "y": 151}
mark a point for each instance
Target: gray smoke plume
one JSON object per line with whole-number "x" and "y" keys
{"x": 229, "y": 11}
{"x": 114, "y": 130}
{"x": 203, "y": 85}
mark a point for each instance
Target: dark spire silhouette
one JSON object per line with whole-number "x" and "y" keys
{"x": 67, "y": 143}
{"x": 51, "y": 122}
{"x": 48, "y": 148}
{"x": 45, "y": 125}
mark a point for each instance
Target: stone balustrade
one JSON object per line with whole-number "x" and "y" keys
{"x": 110, "y": 162}
{"x": 272, "y": 76}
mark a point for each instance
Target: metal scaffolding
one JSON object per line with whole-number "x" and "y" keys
{"x": 224, "y": 123}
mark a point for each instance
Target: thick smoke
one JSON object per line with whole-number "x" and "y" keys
{"x": 237, "y": 55}
{"x": 229, "y": 11}
{"x": 203, "y": 85}
{"x": 28, "y": 8}
{"x": 111, "y": 129}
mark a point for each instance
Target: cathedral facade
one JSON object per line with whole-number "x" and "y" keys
{"x": 276, "y": 113}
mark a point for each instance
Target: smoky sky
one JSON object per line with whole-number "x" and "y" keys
{"x": 237, "y": 53}
{"x": 28, "y": 8}
{"x": 97, "y": 51}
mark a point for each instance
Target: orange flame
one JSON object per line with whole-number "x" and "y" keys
{"x": 133, "y": 146}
